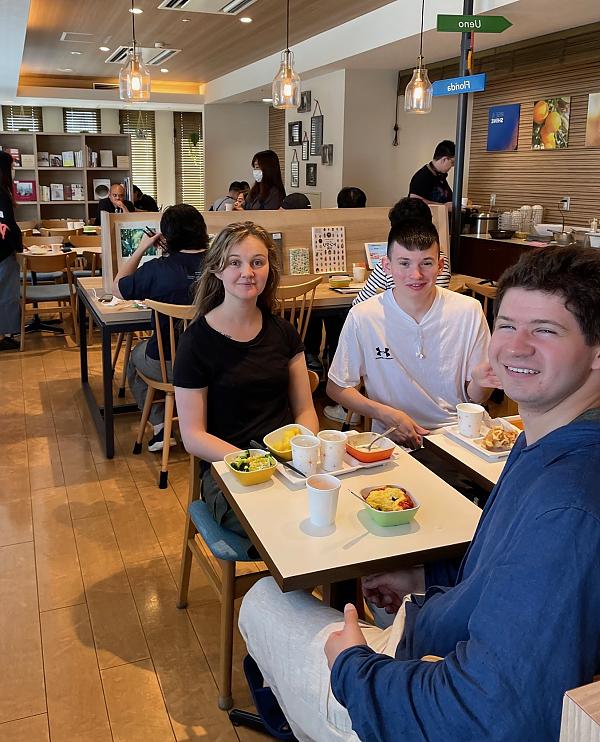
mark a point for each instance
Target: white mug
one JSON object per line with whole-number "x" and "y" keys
{"x": 305, "y": 453}
{"x": 333, "y": 448}
{"x": 470, "y": 417}
{"x": 358, "y": 273}
{"x": 323, "y": 491}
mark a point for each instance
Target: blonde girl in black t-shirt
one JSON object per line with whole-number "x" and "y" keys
{"x": 240, "y": 370}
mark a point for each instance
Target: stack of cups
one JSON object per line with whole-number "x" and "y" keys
{"x": 526, "y": 218}
{"x": 537, "y": 214}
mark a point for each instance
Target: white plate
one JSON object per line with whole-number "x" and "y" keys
{"x": 350, "y": 464}
{"x": 474, "y": 444}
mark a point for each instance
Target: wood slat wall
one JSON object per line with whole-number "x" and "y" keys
{"x": 529, "y": 176}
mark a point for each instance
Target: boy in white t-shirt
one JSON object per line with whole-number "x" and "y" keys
{"x": 419, "y": 349}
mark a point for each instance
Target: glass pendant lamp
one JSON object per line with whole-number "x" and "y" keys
{"x": 286, "y": 85}
{"x": 418, "y": 96}
{"x": 134, "y": 78}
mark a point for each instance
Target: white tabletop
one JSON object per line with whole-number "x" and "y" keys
{"x": 275, "y": 516}
{"x": 122, "y": 312}
{"x": 484, "y": 472}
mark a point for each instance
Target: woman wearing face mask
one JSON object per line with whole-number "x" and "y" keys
{"x": 268, "y": 191}
{"x": 10, "y": 243}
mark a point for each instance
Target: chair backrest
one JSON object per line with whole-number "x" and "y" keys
{"x": 86, "y": 240}
{"x": 297, "y": 300}
{"x": 47, "y": 264}
{"x": 30, "y": 224}
{"x": 485, "y": 292}
{"x": 49, "y": 223}
{"x": 183, "y": 312}
{"x": 313, "y": 380}
{"x": 60, "y": 232}
{"x": 33, "y": 240}
{"x": 93, "y": 261}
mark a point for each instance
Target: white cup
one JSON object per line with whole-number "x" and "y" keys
{"x": 228, "y": 207}
{"x": 358, "y": 273}
{"x": 323, "y": 491}
{"x": 333, "y": 448}
{"x": 71, "y": 225}
{"x": 470, "y": 417}
{"x": 464, "y": 202}
{"x": 305, "y": 453}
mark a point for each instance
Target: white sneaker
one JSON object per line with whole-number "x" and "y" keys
{"x": 338, "y": 413}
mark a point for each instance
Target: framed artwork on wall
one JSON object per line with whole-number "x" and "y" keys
{"x": 294, "y": 133}
{"x": 551, "y": 123}
{"x": 327, "y": 154}
{"x": 316, "y": 131}
{"x": 311, "y": 173}
{"x": 305, "y": 147}
{"x": 304, "y": 106}
{"x": 295, "y": 171}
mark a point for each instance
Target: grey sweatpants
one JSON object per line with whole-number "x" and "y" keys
{"x": 151, "y": 368}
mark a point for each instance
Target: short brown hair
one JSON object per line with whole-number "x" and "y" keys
{"x": 413, "y": 234}
{"x": 572, "y": 273}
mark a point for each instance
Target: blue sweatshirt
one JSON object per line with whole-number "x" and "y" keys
{"x": 520, "y": 626}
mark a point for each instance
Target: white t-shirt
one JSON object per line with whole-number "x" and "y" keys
{"x": 381, "y": 345}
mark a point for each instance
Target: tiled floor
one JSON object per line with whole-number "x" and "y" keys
{"x": 92, "y": 646}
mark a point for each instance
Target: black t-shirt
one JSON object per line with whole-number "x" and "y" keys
{"x": 146, "y": 203}
{"x": 167, "y": 279}
{"x": 11, "y": 240}
{"x": 248, "y": 382}
{"x": 430, "y": 184}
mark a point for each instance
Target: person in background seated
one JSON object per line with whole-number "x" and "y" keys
{"x": 116, "y": 203}
{"x": 419, "y": 349}
{"x": 430, "y": 183}
{"x": 240, "y": 371}
{"x": 379, "y": 280}
{"x": 169, "y": 279}
{"x": 235, "y": 188}
{"x": 489, "y": 656}
{"x": 142, "y": 201}
{"x": 351, "y": 198}
{"x": 11, "y": 242}
{"x": 295, "y": 201}
{"x": 268, "y": 191}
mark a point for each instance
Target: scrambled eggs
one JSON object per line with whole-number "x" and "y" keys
{"x": 389, "y": 498}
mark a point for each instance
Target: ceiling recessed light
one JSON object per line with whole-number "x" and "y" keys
{"x": 78, "y": 54}
{"x": 185, "y": 20}
{"x": 64, "y": 69}
{"x": 267, "y": 100}
{"x": 245, "y": 19}
{"x": 104, "y": 48}
{"x": 136, "y": 11}
{"x": 164, "y": 69}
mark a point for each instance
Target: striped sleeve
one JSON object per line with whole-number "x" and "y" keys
{"x": 378, "y": 281}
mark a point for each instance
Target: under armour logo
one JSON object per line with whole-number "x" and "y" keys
{"x": 385, "y": 353}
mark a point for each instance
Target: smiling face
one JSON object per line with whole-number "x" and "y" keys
{"x": 246, "y": 269}
{"x": 540, "y": 355}
{"x": 414, "y": 272}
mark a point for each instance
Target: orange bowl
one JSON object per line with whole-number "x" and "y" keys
{"x": 356, "y": 447}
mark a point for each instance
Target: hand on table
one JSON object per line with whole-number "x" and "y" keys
{"x": 407, "y": 432}
{"x": 349, "y": 636}
{"x": 483, "y": 375}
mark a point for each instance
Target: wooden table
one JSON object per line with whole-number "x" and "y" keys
{"x": 484, "y": 473}
{"x": 275, "y": 517}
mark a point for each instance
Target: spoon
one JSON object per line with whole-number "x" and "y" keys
{"x": 358, "y": 497}
{"x": 379, "y": 437}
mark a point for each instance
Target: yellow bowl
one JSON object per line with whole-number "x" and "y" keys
{"x": 248, "y": 478}
{"x": 340, "y": 282}
{"x": 271, "y": 440}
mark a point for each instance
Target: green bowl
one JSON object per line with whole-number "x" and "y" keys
{"x": 390, "y": 517}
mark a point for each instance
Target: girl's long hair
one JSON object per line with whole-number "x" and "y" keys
{"x": 268, "y": 162}
{"x": 6, "y": 179}
{"x": 209, "y": 289}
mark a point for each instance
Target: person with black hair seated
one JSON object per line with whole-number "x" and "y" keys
{"x": 221, "y": 203}
{"x": 351, "y": 198}
{"x": 268, "y": 190}
{"x": 142, "y": 201}
{"x": 168, "y": 278}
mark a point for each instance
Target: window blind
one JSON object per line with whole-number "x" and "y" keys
{"x": 76, "y": 120}
{"x": 141, "y": 129}
{"x": 189, "y": 158}
{"x": 277, "y": 136}
{"x": 22, "y": 118}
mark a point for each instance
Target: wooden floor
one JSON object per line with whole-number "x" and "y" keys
{"x": 92, "y": 646}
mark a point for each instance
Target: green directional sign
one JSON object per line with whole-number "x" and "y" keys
{"x": 468, "y": 23}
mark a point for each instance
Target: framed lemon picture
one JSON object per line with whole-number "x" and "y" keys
{"x": 551, "y": 123}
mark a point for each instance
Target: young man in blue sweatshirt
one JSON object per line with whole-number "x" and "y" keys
{"x": 489, "y": 657}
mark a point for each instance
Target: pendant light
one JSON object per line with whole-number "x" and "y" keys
{"x": 286, "y": 85}
{"x": 419, "y": 92}
{"x": 134, "y": 78}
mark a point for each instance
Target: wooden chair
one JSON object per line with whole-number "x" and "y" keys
{"x": 485, "y": 292}
{"x": 313, "y": 378}
{"x": 27, "y": 225}
{"x": 62, "y": 295}
{"x": 226, "y": 548}
{"x": 296, "y": 301}
{"x": 174, "y": 312}
{"x": 60, "y": 232}
{"x": 53, "y": 223}
{"x": 29, "y": 241}
{"x": 86, "y": 240}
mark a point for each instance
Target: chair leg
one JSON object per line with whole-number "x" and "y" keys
{"x": 120, "y": 337}
{"x": 137, "y": 448}
{"x": 22, "y": 346}
{"x": 128, "y": 342}
{"x": 164, "y": 469}
{"x": 186, "y": 564}
{"x": 226, "y": 638}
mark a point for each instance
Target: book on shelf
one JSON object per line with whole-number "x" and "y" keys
{"x": 67, "y": 193}
{"x": 106, "y": 158}
{"x": 56, "y": 161}
{"x": 123, "y": 161}
{"x": 57, "y": 192}
{"x": 15, "y": 154}
{"x": 28, "y": 161}
{"x": 25, "y": 190}
{"x": 44, "y": 193}
{"x": 43, "y": 159}
{"x": 78, "y": 158}
{"x": 77, "y": 192}
{"x": 91, "y": 157}
{"x": 68, "y": 158}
